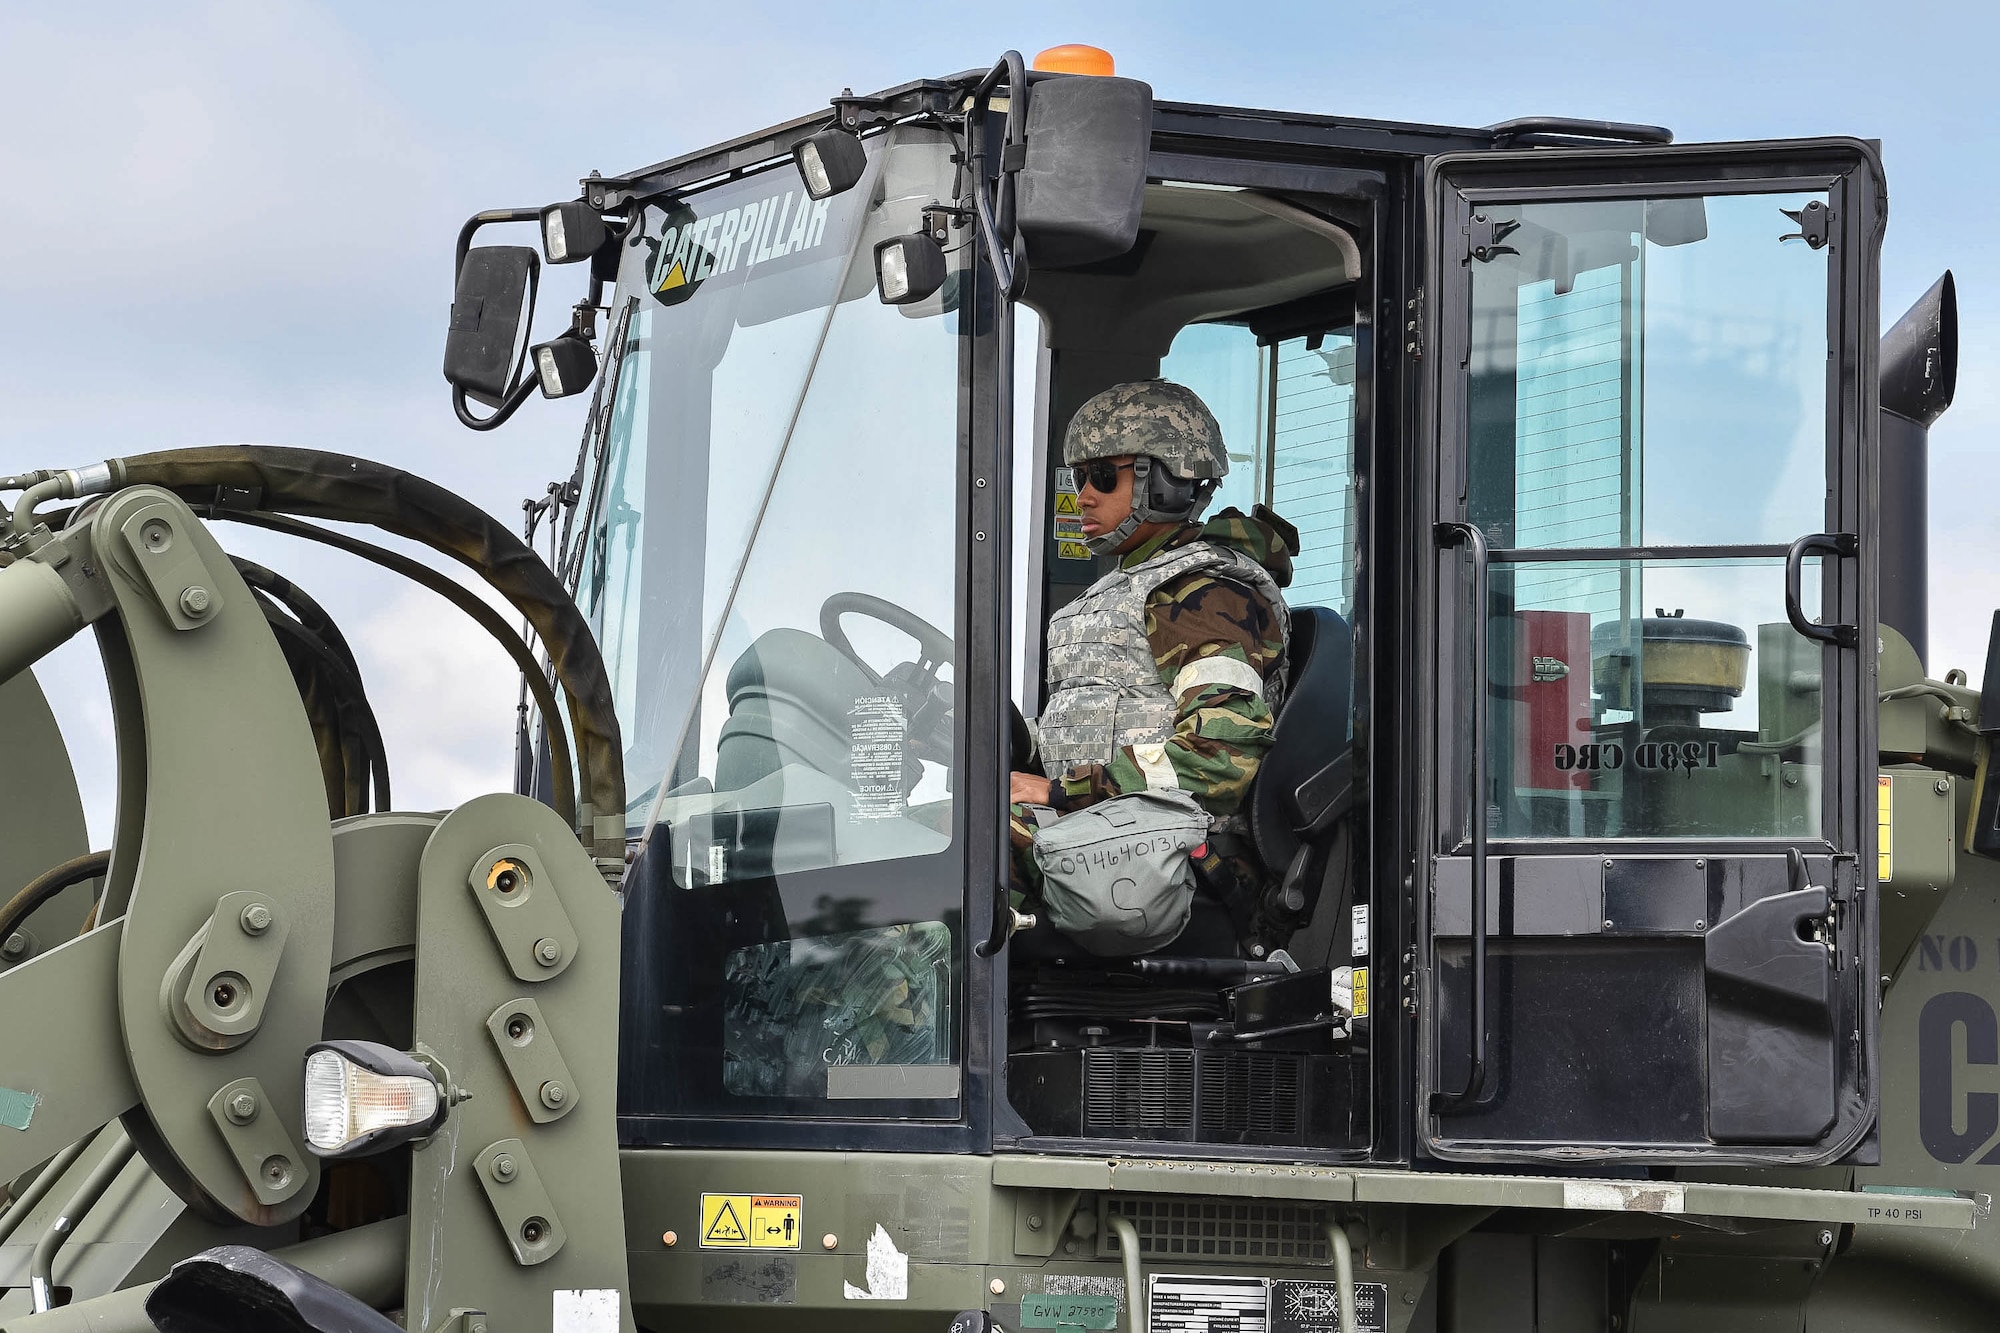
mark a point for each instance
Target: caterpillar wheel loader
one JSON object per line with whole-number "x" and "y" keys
{"x": 1640, "y": 971}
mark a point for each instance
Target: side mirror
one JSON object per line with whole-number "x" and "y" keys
{"x": 490, "y": 311}
{"x": 1083, "y": 178}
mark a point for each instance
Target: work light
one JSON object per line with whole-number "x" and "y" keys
{"x": 830, "y": 162}
{"x": 362, "y": 1098}
{"x": 564, "y": 366}
{"x": 908, "y": 268}
{"x": 572, "y": 231}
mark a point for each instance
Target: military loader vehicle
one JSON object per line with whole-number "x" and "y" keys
{"x": 1635, "y": 965}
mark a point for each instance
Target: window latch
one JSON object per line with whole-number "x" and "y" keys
{"x": 1483, "y": 235}
{"x": 1814, "y": 222}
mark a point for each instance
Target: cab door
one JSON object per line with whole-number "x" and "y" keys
{"x": 1646, "y": 924}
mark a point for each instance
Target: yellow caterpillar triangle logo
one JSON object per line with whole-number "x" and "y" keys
{"x": 675, "y": 278}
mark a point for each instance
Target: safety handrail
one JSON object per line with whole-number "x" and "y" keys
{"x": 1448, "y": 535}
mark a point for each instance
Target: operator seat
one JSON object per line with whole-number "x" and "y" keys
{"x": 1306, "y": 781}
{"x": 790, "y": 697}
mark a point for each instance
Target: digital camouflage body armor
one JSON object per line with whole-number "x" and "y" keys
{"x": 1105, "y": 690}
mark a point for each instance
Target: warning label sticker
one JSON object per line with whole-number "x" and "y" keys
{"x": 1314, "y": 1307}
{"x": 1361, "y": 992}
{"x": 1885, "y": 820}
{"x": 751, "y": 1221}
{"x": 1068, "y": 518}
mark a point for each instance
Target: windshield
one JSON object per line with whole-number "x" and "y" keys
{"x": 770, "y": 572}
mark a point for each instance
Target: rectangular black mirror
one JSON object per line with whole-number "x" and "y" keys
{"x": 1084, "y": 176}
{"x": 490, "y": 313}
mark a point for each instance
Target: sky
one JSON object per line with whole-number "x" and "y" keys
{"x": 234, "y": 222}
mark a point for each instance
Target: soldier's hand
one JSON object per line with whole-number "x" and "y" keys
{"x": 1028, "y": 789}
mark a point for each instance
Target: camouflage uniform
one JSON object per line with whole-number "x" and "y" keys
{"x": 1219, "y": 730}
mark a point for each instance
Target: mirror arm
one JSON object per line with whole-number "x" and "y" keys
{"x": 507, "y": 408}
{"x": 478, "y": 220}
{"x": 995, "y": 211}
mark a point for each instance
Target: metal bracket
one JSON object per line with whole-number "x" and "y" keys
{"x": 264, "y": 1151}
{"x": 1483, "y": 235}
{"x": 463, "y": 1321}
{"x": 519, "y": 902}
{"x": 520, "y": 1204}
{"x": 171, "y": 566}
{"x": 215, "y": 992}
{"x": 1815, "y": 224}
{"x": 534, "y": 1062}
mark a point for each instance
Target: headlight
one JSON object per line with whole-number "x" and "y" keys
{"x": 364, "y": 1098}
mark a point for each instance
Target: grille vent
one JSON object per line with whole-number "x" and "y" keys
{"x": 1220, "y": 1229}
{"x": 1143, "y": 1093}
{"x": 1247, "y": 1092}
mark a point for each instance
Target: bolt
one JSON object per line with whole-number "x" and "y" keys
{"x": 997, "y": 1287}
{"x": 503, "y": 1167}
{"x": 829, "y": 1241}
{"x": 1791, "y": 778}
{"x": 1699, "y": 863}
{"x": 1069, "y": 1247}
{"x": 243, "y": 1107}
{"x": 195, "y": 600}
{"x": 1943, "y": 787}
{"x": 554, "y": 1094}
{"x": 670, "y": 1239}
{"x": 533, "y": 1230}
{"x": 547, "y": 952}
{"x": 1701, "y": 925}
{"x": 1409, "y": 1298}
{"x": 1608, "y": 926}
{"x": 1826, "y": 1238}
{"x": 1034, "y": 1221}
{"x": 256, "y": 919}
{"x": 16, "y": 945}
{"x": 1607, "y": 865}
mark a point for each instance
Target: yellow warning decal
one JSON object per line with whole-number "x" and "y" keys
{"x": 751, "y": 1221}
{"x": 1885, "y": 818}
{"x": 1066, "y": 503}
{"x": 1361, "y": 992}
{"x": 725, "y": 1221}
{"x": 1072, "y": 551}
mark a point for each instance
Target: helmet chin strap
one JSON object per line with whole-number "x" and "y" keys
{"x": 1143, "y": 511}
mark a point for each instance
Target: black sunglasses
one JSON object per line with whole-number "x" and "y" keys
{"x": 1101, "y": 474}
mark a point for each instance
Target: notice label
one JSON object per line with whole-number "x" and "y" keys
{"x": 1360, "y": 949}
{"x": 751, "y": 1221}
{"x": 876, "y": 734}
{"x": 1361, "y": 992}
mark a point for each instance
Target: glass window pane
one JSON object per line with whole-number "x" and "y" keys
{"x": 1312, "y": 465}
{"x": 1649, "y": 372}
{"x": 773, "y": 572}
{"x": 1640, "y": 699}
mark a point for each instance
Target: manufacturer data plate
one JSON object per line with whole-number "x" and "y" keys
{"x": 1314, "y": 1307}
{"x": 1190, "y": 1303}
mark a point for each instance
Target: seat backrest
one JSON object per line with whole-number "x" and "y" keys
{"x": 1313, "y": 728}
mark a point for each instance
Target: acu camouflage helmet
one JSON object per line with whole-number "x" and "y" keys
{"x": 1154, "y": 419}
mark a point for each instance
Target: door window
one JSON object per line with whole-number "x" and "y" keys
{"x": 1646, "y": 431}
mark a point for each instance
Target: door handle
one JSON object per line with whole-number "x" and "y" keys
{"x": 1448, "y": 535}
{"x": 1827, "y": 543}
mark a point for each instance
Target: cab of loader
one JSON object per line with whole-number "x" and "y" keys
{"x": 1572, "y": 792}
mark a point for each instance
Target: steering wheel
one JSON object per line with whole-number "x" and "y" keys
{"x": 927, "y": 700}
